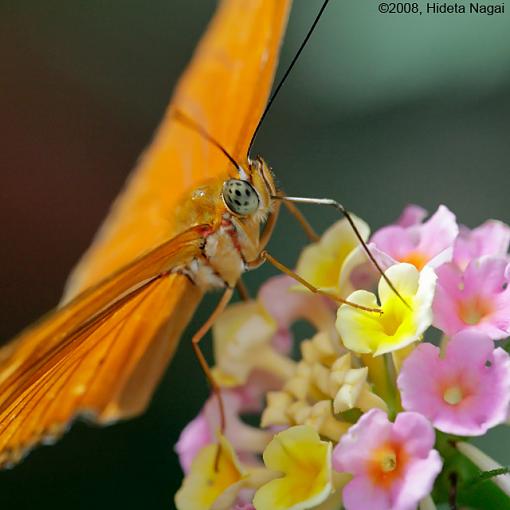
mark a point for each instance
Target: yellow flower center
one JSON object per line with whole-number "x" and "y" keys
{"x": 472, "y": 312}
{"x": 453, "y": 395}
{"x": 394, "y": 313}
{"x": 389, "y": 462}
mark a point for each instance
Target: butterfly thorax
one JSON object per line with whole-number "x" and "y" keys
{"x": 232, "y": 239}
{"x": 200, "y": 205}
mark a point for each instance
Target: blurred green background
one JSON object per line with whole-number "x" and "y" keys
{"x": 382, "y": 110}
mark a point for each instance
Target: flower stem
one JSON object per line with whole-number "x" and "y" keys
{"x": 427, "y": 503}
{"x": 442, "y": 344}
{"x": 391, "y": 377}
{"x": 376, "y": 374}
{"x": 484, "y": 463}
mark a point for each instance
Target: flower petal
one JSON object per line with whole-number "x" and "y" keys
{"x": 490, "y": 238}
{"x": 320, "y": 263}
{"x": 401, "y": 323}
{"x": 393, "y": 464}
{"x": 466, "y": 392}
{"x": 305, "y": 461}
{"x": 207, "y": 481}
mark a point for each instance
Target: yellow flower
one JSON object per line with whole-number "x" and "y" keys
{"x": 208, "y": 486}
{"x": 350, "y": 387}
{"x": 400, "y": 324}
{"x": 334, "y": 500}
{"x": 242, "y": 342}
{"x": 323, "y": 385}
{"x": 321, "y": 263}
{"x": 305, "y": 464}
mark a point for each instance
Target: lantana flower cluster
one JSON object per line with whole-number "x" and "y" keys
{"x": 376, "y": 408}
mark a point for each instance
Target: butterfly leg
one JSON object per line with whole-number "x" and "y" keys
{"x": 195, "y": 341}
{"x": 264, "y": 256}
{"x": 303, "y": 222}
{"x": 339, "y": 207}
{"x": 242, "y": 290}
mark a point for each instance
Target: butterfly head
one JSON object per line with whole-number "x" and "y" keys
{"x": 249, "y": 195}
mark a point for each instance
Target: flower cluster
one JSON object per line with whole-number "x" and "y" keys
{"x": 374, "y": 411}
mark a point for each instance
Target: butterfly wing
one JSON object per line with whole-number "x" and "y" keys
{"x": 103, "y": 351}
{"x": 89, "y": 356}
{"x": 224, "y": 89}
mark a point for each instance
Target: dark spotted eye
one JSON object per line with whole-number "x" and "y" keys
{"x": 240, "y": 197}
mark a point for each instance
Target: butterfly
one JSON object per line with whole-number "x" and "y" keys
{"x": 188, "y": 221}
{"x": 103, "y": 350}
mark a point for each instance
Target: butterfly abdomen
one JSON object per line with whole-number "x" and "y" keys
{"x": 221, "y": 262}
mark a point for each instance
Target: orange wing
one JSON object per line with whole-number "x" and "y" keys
{"x": 101, "y": 354}
{"x": 224, "y": 89}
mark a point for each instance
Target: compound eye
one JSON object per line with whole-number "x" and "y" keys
{"x": 240, "y": 197}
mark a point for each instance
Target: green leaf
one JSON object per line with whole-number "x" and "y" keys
{"x": 475, "y": 489}
{"x": 487, "y": 475}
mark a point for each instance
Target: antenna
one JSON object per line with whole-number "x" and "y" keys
{"x": 189, "y": 122}
{"x": 286, "y": 74}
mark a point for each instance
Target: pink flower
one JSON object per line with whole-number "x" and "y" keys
{"x": 193, "y": 438}
{"x": 490, "y": 238}
{"x": 286, "y": 306}
{"x": 411, "y": 215}
{"x": 478, "y": 298}
{"x": 420, "y": 244}
{"x": 359, "y": 273}
{"x": 466, "y": 392}
{"x": 243, "y": 506}
{"x": 393, "y": 464}
{"x": 245, "y": 439}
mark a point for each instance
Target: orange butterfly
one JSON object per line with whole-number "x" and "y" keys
{"x": 168, "y": 239}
